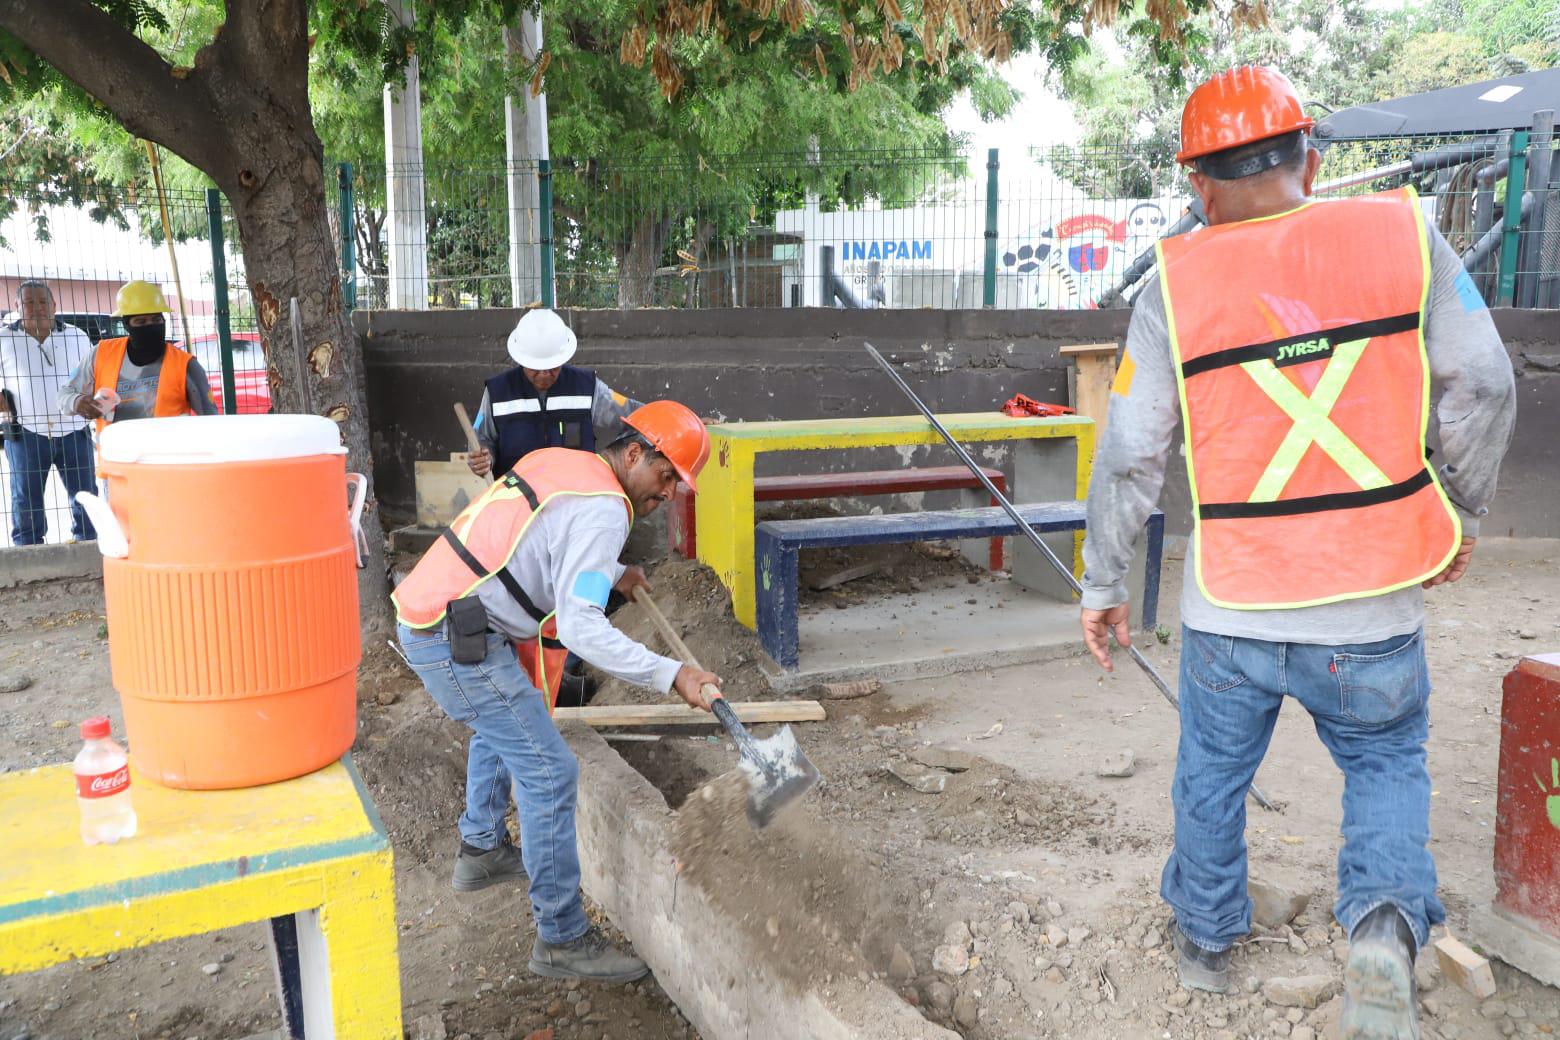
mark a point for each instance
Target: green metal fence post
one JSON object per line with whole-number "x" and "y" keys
{"x": 544, "y": 223}
{"x": 220, "y": 293}
{"x": 345, "y": 221}
{"x": 1511, "y": 231}
{"x": 989, "y": 281}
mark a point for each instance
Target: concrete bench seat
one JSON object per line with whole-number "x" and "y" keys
{"x": 777, "y": 542}
{"x": 682, "y": 533}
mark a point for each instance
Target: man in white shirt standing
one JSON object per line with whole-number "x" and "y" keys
{"x": 37, "y": 355}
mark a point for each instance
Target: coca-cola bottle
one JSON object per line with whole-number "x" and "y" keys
{"x": 103, "y": 786}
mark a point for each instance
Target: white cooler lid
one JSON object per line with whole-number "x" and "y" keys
{"x": 195, "y": 439}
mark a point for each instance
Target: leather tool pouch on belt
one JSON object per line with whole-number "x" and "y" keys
{"x": 466, "y": 621}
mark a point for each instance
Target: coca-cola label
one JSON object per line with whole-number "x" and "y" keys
{"x": 104, "y": 784}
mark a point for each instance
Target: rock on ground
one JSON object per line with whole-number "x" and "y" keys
{"x": 1274, "y": 906}
{"x": 951, "y": 960}
{"x": 1300, "y": 991}
{"x": 1122, "y": 763}
{"x": 952, "y": 760}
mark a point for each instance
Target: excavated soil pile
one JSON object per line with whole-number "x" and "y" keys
{"x": 797, "y": 888}
{"x": 869, "y": 873}
{"x": 699, "y": 608}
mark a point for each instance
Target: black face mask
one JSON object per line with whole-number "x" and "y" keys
{"x": 147, "y": 342}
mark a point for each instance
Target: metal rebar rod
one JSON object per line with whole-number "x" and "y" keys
{"x": 1029, "y": 532}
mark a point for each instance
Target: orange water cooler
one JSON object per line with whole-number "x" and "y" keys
{"x": 230, "y": 549}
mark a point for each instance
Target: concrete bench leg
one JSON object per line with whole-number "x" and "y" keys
{"x": 681, "y": 529}
{"x": 777, "y": 595}
{"x": 332, "y": 962}
{"x": 1044, "y": 471}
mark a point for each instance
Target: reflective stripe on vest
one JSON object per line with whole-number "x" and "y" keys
{"x": 172, "y": 378}
{"x": 1305, "y": 396}
{"x": 484, "y": 537}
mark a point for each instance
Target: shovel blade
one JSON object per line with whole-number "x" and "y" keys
{"x": 778, "y": 773}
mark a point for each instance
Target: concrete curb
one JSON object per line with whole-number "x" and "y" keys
{"x": 24, "y": 564}
{"x": 723, "y": 983}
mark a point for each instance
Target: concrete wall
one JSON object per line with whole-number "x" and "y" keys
{"x": 808, "y": 363}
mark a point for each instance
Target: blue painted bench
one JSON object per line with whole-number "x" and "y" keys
{"x": 777, "y": 542}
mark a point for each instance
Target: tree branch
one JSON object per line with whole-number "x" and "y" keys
{"x": 127, "y": 76}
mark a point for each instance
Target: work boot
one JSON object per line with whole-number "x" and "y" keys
{"x": 1199, "y": 968}
{"x": 478, "y": 868}
{"x": 1380, "y": 998}
{"x": 590, "y": 957}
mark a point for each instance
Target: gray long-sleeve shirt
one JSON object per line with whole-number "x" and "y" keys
{"x": 608, "y": 408}
{"x": 1475, "y": 417}
{"x": 137, "y": 388}
{"x": 568, "y": 562}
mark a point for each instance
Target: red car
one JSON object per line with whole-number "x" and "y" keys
{"x": 251, "y": 388}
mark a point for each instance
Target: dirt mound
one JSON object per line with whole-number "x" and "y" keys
{"x": 699, "y": 608}
{"x": 798, "y": 887}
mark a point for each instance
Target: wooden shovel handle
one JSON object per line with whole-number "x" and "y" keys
{"x": 472, "y": 444}
{"x": 644, "y": 599}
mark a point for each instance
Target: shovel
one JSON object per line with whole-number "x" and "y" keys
{"x": 778, "y": 772}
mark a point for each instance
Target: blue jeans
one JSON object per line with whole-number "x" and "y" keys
{"x": 1370, "y": 705}
{"x": 513, "y": 738}
{"x": 30, "y": 457}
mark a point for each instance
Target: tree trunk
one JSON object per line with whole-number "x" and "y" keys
{"x": 241, "y": 116}
{"x": 289, "y": 254}
{"x": 638, "y": 259}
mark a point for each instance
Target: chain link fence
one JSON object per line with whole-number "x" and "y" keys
{"x": 1066, "y": 227}
{"x": 64, "y": 254}
{"x": 1059, "y": 228}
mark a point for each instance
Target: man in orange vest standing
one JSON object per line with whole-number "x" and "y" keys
{"x": 1297, "y": 342}
{"x": 486, "y": 619}
{"x": 138, "y": 375}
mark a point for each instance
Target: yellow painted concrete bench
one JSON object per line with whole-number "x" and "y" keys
{"x": 1052, "y": 459}
{"x": 309, "y": 855}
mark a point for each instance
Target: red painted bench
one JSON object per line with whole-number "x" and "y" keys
{"x": 682, "y": 535}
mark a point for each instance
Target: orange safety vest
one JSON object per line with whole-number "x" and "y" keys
{"x": 171, "y": 380}
{"x": 1305, "y": 393}
{"x": 483, "y": 539}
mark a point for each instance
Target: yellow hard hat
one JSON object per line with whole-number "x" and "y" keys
{"x": 139, "y": 297}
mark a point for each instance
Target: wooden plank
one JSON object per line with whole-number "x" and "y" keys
{"x": 870, "y": 482}
{"x": 444, "y": 489}
{"x": 848, "y": 574}
{"x": 1096, "y": 372}
{"x": 682, "y": 715}
{"x": 1464, "y": 967}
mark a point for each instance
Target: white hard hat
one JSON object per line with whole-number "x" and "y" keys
{"x": 541, "y": 340}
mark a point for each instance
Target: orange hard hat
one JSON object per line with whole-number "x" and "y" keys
{"x": 674, "y": 431}
{"x": 1246, "y": 104}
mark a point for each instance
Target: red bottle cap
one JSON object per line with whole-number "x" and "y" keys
{"x": 95, "y": 728}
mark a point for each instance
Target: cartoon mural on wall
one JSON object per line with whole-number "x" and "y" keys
{"x": 933, "y": 255}
{"x": 1068, "y": 264}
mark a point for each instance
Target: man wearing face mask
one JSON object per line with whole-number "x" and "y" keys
{"x": 150, "y": 376}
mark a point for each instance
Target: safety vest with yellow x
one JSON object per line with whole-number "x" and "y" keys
{"x": 1303, "y": 498}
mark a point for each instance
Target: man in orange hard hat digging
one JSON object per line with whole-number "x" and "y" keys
{"x": 486, "y": 619}
{"x": 1296, "y": 342}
